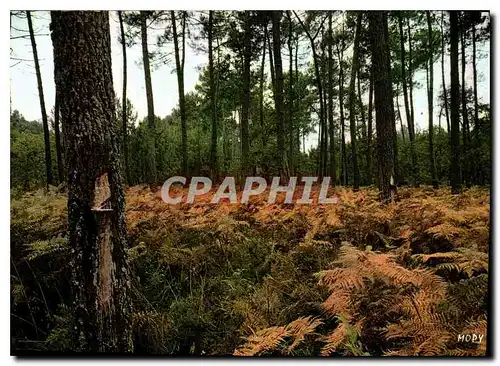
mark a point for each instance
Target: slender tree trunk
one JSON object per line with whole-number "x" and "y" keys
{"x": 179, "y": 67}
{"x": 397, "y": 173}
{"x": 151, "y": 160}
{"x": 96, "y": 201}
{"x": 263, "y": 131}
{"x": 455, "y": 104}
{"x": 297, "y": 125}
{"x": 352, "y": 103}
{"x": 410, "y": 75}
{"x": 344, "y": 175}
{"x": 271, "y": 66}
{"x": 465, "y": 116}
{"x": 445, "y": 94}
{"x": 430, "y": 100}
{"x": 408, "y": 105}
{"x": 290, "y": 95}
{"x": 369, "y": 151}
{"x": 332, "y": 167}
{"x": 361, "y": 106}
{"x": 213, "y": 107}
{"x": 383, "y": 102}
{"x": 124, "y": 99}
{"x": 46, "y": 135}
{"x": 476, "y": 108}
{"x": 399, "y": 114}
{"x": 247, "y": 54}
{"x": 60, "y": 163}
{"x": 276, "y": 19}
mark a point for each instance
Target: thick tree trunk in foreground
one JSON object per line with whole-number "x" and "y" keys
{"x": 57, "y": 132}
{"x": 455, "y": 104}
{"x": 151, "y": 163}
{"x": 383, "y": 104}
{"x": 179, "y": 67}
{"x": 124, "y": 98}
{"x": 46, "y": 135}
{"x": 96, "y": 202}
{"x": 352, "y": 103}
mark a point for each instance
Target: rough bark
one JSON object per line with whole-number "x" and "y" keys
{"x": 383, "y": 103}
{"x": 151, "y": 161}
{"x": 96, "y": 202}
{"x": 57, "y": 132}
{"x": 455, "y": 104}
{"x": 45, "y": 123}
{"x": 430, "y": 99}
{"x": 332, "y": 167}
{"x": 124, "y": 98}
{"x": 179, "y": 68}
{"x": 352, "y": 102}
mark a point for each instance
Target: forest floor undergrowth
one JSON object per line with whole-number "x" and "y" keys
{"x": 352, "y": 278}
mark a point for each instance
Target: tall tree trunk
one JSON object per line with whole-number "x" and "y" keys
{"x": 276, "y": 18}
{"x": 213, "y": 107}
{"x": 247, "y": 54}
{"x": 332, "y": 167}
{"x": 430, "y": 99}
{"x": 352, "y": 102}
{"x": 151, "y": 161}
{"x": 271, "y": 67}
{"x": 465, "y": 116}
{"x": 96, "y": 201}
{"x": 179, "y": 67}
{"x": 410, "y": 75}
{"x": 476, "y": 108}
{"x": 445, "y": 94}
{"x": 383, "y": 102}
{"x": 369, "y": 151}
{"x": 290, "y": 95}
{"x": 344, "y": 175}
{"x": 263, "y": 131}
{"x": 297, "y": 125}
{"x": 361, "y": 106}
{"x": 455, "y": 104}
{"x": 408, "y": 105}
{"x": 397, "y": 173}
{"x": 124, "y": 99}
{"x": 60, "y": 163}
{"x": 399, "y": 114}
{"x": 46, "y": 135}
